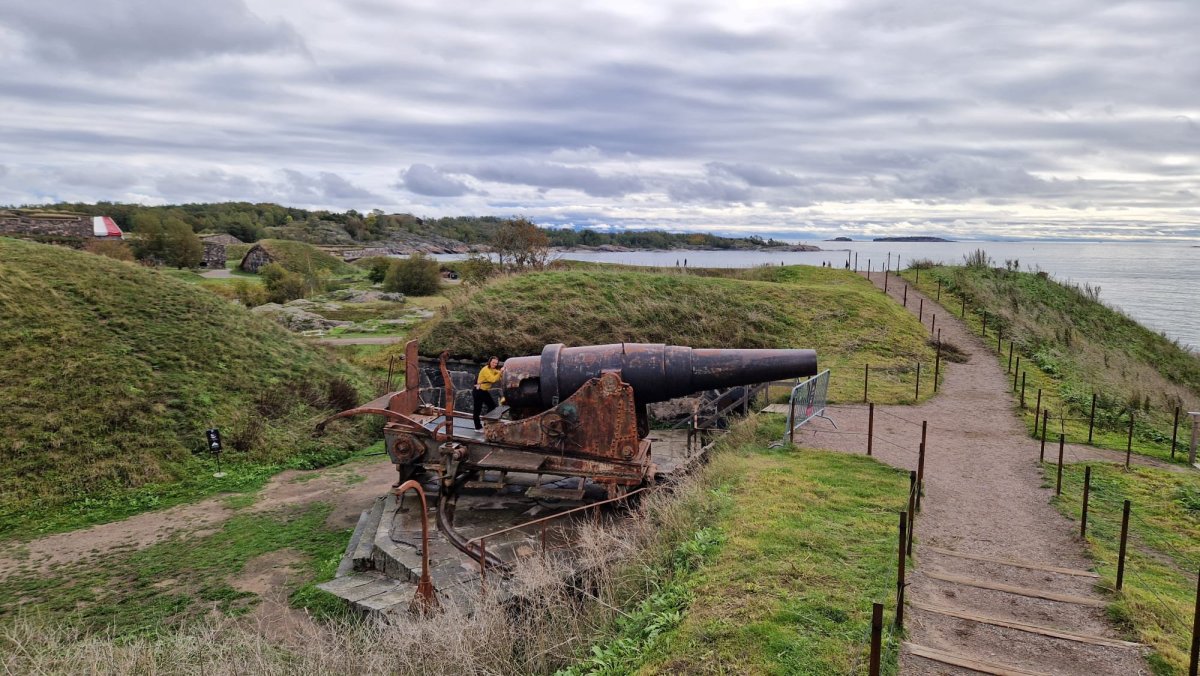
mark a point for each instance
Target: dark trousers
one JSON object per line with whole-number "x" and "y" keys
{"x": 483, "y": 400}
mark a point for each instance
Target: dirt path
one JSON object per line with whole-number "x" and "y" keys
{"x": 217, "y": 274}
{"x": 335, "y": 485}
{"x": 984, "y": 496}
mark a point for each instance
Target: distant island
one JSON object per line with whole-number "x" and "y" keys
{"x": 840, "y": 239}
{"x": 911, "y": 239}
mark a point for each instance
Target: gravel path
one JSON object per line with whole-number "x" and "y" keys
{"x": 984, "y": 496}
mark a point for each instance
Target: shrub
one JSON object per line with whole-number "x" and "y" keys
{"x": 476, "y": 269}
{"x": 416, "y": 275}
{"x": 112, "y": 248}
{"x": 977, "y": 259}
{"x": 250, "y": 295}
{"x": 377, "y": 268}
{"x": 921, "y": 264}
{"x": 281, "y": 284}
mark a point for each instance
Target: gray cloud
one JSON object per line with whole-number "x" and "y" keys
{"x": 423, "y": 179}
{"x": 753, "y": 174}
{"x": 548, "y": 175}
{"x": 709, "y": 190}
{"x": 100, "y": 34}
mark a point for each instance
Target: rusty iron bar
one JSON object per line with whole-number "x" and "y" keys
{"x": 866, "y": 377}
{"x": 939, "y": 292}
{"x": 482, "y": 567}
{"x": 1015, "y": 370}
{"x": 876, "y": 639}
{"x": 870, "y": 427}
{"x": 425, "y": 599}
{"x": 1087, "y": 490}
{"x": 1045, "y": 424}
{"x": 918, "y": 273}
{"x": 1062, "y": 442}
{"x": 1022, "y": 390}
{"x": 885, "y": 277}
{"x": 905, "y": 295}
{"x": 1092, "y": 418}
{"x": 558, "y": 515}
{"x": 917, "y": 395}
{"x": 391, "y": 367}
{"x": 1194, "y": 661}
{"x": 912, "y": 508}
{"x": 792, "y": 420}
{"x": 984, "y": 323}
{"x": 1010, "y": 354}
{"x": 900, "y": 571}
{"x": 868, "y": 269}
{"x": 921, "y": 311}
{"x": 1129, "y": 442}
{"x": 855, "y": 261}
{"x": 933, "y": 323}
{"x": 1124, "y": 540}
{"x": 1037, "y": 413}
{"x": 937, "y": 364}
{"x": 1175, "y": 433}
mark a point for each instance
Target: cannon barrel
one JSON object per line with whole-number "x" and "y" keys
{"x": 657, "y": 372}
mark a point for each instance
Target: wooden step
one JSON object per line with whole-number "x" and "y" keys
{"x": 1022, "y": 626}
{"x": 1011, "y": 562}
{"x": 365, "y": 550}
{"x": 1020, "y": 591}
{"x": 346, "y": 566}
{"x": 969, "y": 662}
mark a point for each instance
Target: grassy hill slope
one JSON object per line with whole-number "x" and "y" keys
{"x": 843, "y": 317}
{"x": 112, "y": 372}
{"x": 303, "y": 258}
{"x": 1072, "y": 345}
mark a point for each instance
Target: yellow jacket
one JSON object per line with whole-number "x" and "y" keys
{"x": 488, "y": 376}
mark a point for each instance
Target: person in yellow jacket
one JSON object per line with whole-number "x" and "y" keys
{"x": 489, "y": 375}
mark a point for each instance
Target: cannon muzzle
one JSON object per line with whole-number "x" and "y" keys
{"x": 657, "y": 372}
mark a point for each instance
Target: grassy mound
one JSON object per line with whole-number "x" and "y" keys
{"x": 842, "y": 316}
{"x": 304, "y": 258}
{"x": 112, "y": 372}
{"x": 1072, "y": 345}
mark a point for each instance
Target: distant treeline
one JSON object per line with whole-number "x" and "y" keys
{"x": 252, "y": 222}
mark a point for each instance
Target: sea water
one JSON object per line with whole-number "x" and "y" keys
{"x": 1155, "y": 283}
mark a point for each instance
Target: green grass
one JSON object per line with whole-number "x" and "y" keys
{"x": 1070, "y": 346}
{"x": 784, "y": 553}
{"x": 169, "y": 584}
{"x": 306, "y": 258}
{"x": 112, "y": 373}
{"x": 1159, "y": 594}
{"x": 843, "y": 317}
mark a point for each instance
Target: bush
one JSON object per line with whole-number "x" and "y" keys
{"x": 250, "y": 295}
{"x": 977, "y": 259}
{"x": 476, "y": 269}
{"x": 921, "y": 264}
{"x": 377, "y": 267}
{"x": 113, "y": 248}
{"x": 281, "y": 284}
{"x": 416, "y": 275}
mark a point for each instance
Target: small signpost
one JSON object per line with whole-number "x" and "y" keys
{"x": 213, "y": 436}
{"x": 1195, "y": 436}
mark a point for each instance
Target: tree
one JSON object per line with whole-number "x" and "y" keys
{"x": 520, "y": 244}
{"x": 150, "y": 242}
{"x": 416, "y": 275}
{"x": 183, "y": 248}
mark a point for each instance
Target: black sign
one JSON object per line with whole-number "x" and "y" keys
{"x": 214, "y": 439}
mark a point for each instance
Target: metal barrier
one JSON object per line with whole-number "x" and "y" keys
{"x": 808, "y": 401}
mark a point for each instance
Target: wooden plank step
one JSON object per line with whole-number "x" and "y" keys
{"x": 781, "y": 409}
{"x": 1011, "y": 562}
{"x": 968, "y": 662}
{"x": 1019, "y": 591}
{"x": 1021, "y": 626}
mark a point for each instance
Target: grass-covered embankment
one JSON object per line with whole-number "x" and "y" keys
{"x": 111, "y": 374}
{"x": 841, "y": 316}
{"x": 805, "y": 543}
{"x": 1163, "y": 556}
{"x": 1071, "y": 346}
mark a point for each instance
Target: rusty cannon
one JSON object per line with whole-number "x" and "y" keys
{"x": 569, "y": 413}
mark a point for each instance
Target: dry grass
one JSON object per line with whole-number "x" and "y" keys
{"x": 567, "y": 606}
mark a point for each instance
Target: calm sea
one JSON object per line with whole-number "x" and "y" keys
{"x": 1158, "y": 284}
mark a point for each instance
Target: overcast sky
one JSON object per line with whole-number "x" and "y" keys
{"x": 806, "y": 119}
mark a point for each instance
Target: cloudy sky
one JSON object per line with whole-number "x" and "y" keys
{"x": 798, "y": 118}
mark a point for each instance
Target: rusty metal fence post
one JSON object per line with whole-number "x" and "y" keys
{"x": 1022, "y": 390}
{"x": 1194, "y": 662}
{"x": 939, "y": 292}
{"x": 921, "y": 463}
{"x": 1016, "y": 369}
{"x": 1087, "y": 489}
{"x": 1129, "y": 442}
{"x": 900, "y": 571}
{"x": 1037, "y": 412}
{"x": 921, "y": 311}
{"x": 876, "y": 639}
{"x": 1062, "y": 440}
{"x": 1124, "y": 539}
{"x": 1092, "y": 418}
{"x": 917, "y": 395}
{"x": 933, "y": 323}
{"x": 906, "y": 295}
{"x": 870, "y": 427}
{"x": 1010, "y": 356}
{"x": 1045, "y": 424}
{"x": 912, "y": 508}
{"x": 1175, "y": 432}
{"x": 937, "y": 365}
{"x": 866, "y": 378}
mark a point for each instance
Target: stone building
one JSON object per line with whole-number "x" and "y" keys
{"x": 255, "y": 258}
{"x": 214, "y": 255}
{"x": 222, "y": 238}
{"x": 57, "y": 227}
